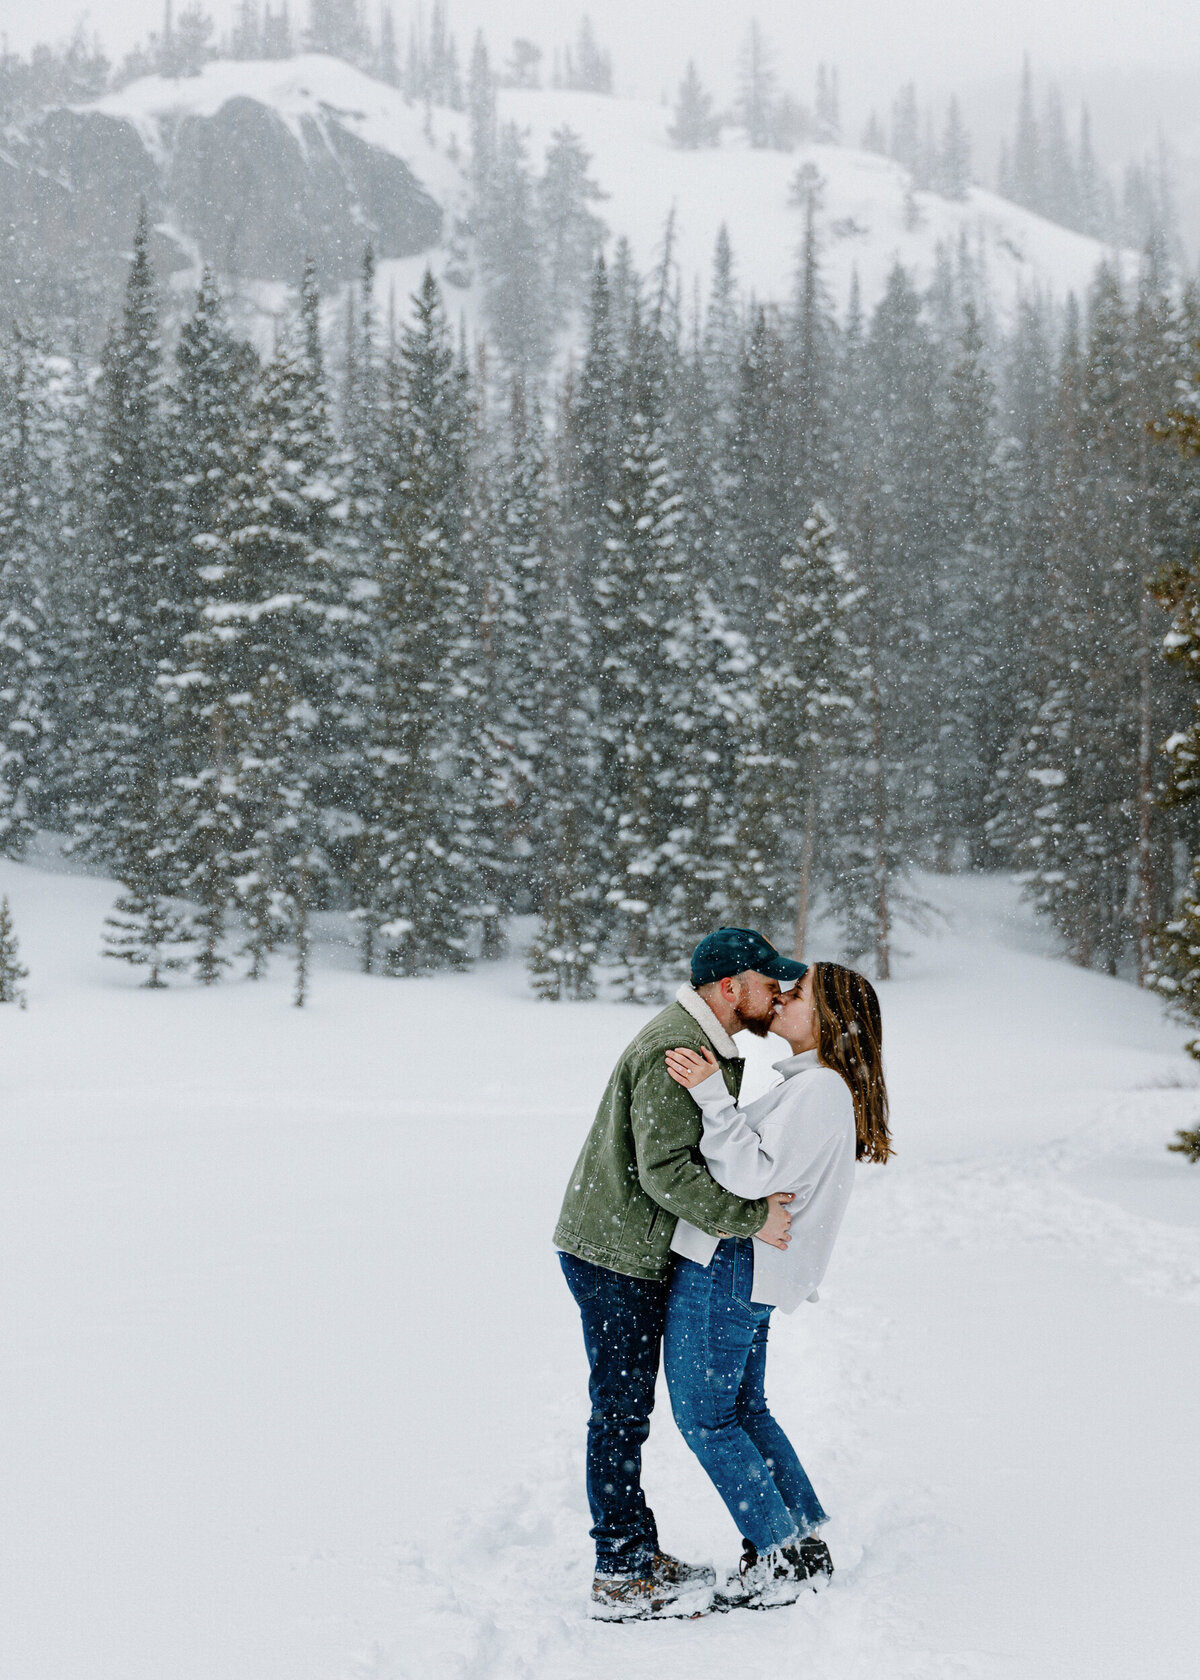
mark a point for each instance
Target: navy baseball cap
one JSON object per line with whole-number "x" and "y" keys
{"x": 734, "y": 950}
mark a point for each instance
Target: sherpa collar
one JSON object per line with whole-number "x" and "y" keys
{"x": 706, "y": 1021}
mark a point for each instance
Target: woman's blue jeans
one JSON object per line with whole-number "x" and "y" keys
{"x": 715, "y": 1352}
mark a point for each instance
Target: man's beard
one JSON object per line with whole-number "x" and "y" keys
{"x": 752, "y": 1024}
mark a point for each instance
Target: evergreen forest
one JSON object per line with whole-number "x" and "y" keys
{"x": 705, "y": 611}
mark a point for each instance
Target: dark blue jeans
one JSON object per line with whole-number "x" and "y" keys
{"x": 716, "y": 1360}
{"x": 622, "y": 1331}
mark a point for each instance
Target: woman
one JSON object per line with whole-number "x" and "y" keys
{"x": 803, "y": 1136}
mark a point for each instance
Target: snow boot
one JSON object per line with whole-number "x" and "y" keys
{"x": 637, "y": 1598}
{"x": 765, "y": 1580}
{"x": 814, "y": 1555}
{"x": 675, "y": 1573}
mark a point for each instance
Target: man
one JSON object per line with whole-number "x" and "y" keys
{"x": 639, "y": 1171}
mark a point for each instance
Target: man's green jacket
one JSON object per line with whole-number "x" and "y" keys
{"x": 640, "y": 1168}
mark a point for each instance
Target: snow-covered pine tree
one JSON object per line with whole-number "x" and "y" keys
{"x": 358, "y": 540}
{"x": 975, "y": 605}
{"x": 272, "y": 622}
{"x": 26, "y": 656}
{"x": 656, "y": 704}
{"x": 511, "y": 542}
{"x": 144, "y": 929}
{"x": 1029, "y": 401}
{"x": 136, "y": 603}
{"x": 1175, "y": 969}
{"x": 695, "y": 124}
{"x": 894, "y": 446}
{"x": 570, "y": 889}
{"x": 723, "y": 332}
{"x": 12, "y": 970}
{"x": 589, "y": 67}
{"x": 514, "y": 262}
{"x": 208, "y": 419}
{"x": 812, "y": 358}
{"x": 954, "y": 156}
{"x": 756, "y": 95}
{"x": 573, "y": 233}
{"x": 417, "y": 886}
{"x": 760, "y": 508}
{"x": 813, "y": 691}
{"x": 1072, "y": 837}
{"x": 336, "y": 26}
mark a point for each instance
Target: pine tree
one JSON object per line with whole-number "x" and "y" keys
{"x": 1060, "y": 185}
{"x": 514, "y": 540}
{"x": 1175, "y": 968}
{"x": 953, "y": 174}
{"x": 814, "y": 694}
{"x": 513, "y": 260}
{"x": 362, "y": 472}
{"x": 894, "y": 443}
{"x": 573, "y": 234}
{"x": 810, "y": 375}
{"x": 137, "y": 601}
{"x": 26, "y": 650}
{"x": 762, "y": 504}
{"x": 144, "y": 932}
{"x": 905, "y": 136}
{"x": 336, "y": 26}
{"x": 416, "y": 885}
{"x": 144, "y": 929}
{"x": 272, "y": 620}
{"x": 564, "y": 951}
{"x": 1027, "y": 183}
{"x": 12, "y": 970}
{"x": 829, "y": 122}
{"x": 589, "y": 68}
{"x": 975, "y": 604}
{"x": 1095, "y": 215}
{"x": 755, "y": 105}
{"x": 695, "y": 124}
{"x": 656, "y": 707}
{"x": 200, "y": 816}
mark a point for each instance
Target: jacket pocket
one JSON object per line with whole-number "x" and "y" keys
{"x": 656, "y": 1214}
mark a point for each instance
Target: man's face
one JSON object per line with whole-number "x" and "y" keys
{"x": 753, "y": 998}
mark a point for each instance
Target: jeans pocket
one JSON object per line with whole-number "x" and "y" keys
{"x": 741, "y": 1277}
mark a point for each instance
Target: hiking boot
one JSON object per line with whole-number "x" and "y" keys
{"x": 814, "y": 1555}
{"x": 771, "y": 1578}
{"x": 673, "y": 1572}
{"x": 635, "y": 1598}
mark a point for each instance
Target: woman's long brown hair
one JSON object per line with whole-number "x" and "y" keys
{"x": 850, "y": 1041}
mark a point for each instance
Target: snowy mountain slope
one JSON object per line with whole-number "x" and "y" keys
{"x": 862, "y": 223}
{"x": 866, "y": 225}
{"x": 293, "y": 1389}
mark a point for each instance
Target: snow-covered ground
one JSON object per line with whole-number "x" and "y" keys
{"x": 867, "y": 223}
{"x": 292, "y": 1388}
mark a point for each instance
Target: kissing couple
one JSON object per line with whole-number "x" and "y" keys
{"x": 687, "y": 1220}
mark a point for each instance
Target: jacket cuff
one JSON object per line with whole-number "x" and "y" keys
{"x": 751, "y": 1221}
{"x": 712, "y": 1093}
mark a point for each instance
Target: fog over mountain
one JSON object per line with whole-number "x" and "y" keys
{"x": 1136, "y": 68}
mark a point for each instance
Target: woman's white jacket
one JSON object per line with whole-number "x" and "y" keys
{"x": 800, "y": 1137}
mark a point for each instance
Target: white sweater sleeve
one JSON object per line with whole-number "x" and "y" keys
{"x": 753, "y": 1161}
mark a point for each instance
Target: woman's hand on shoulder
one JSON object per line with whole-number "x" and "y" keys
{"x": 689, "y": 1067}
